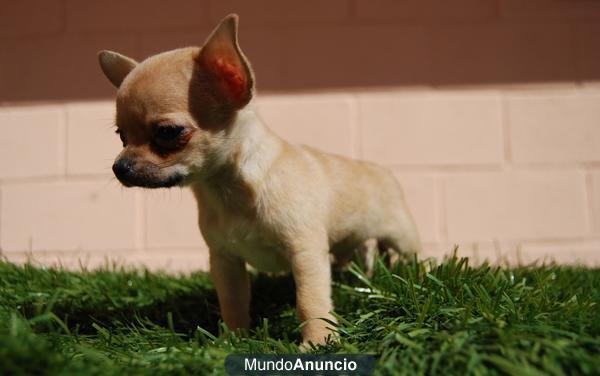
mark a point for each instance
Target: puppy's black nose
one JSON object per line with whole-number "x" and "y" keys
{"x": 122, "y": 168}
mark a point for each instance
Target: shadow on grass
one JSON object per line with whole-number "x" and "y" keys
{"x": 190, "y": 306}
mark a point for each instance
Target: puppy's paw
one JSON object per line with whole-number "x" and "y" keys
{"x": 309, "y": 345}
{"x": 305, "y": 347}
{"x": 316, "y": 333}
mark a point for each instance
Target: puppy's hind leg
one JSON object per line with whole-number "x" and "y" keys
{"x": 367, "y": 253}
{"x": 402, "y": 238}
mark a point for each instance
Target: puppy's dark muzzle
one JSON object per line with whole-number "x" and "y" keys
{"x": 124, "y": 171}
{"x": 122, "y": 168}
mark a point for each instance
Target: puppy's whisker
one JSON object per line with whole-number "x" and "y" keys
{"x": 227, "y": 138}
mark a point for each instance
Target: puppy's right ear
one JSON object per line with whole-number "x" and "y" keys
{"x": 115, "y": 66}
{"x": 228, "y": 71}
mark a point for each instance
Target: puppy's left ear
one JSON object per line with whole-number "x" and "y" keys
{"x": 224, "y": 65}
{"x": 115, "y": 66}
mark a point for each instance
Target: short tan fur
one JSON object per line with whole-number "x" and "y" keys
{"x": 186, "y": 118}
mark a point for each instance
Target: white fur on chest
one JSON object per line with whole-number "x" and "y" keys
{"x": 246, "y": 241}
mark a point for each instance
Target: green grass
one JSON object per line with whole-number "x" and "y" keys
{"x": 417, "y": 317}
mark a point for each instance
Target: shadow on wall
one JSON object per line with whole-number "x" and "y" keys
{"x": 49, "y": 46}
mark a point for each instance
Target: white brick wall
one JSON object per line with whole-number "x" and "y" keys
{"x": 89, "y": 148}
{"x": 446, "y": 147}
{"x": 415, "y": 129}
{"x": 594, "y": 198}
{"x": 293, "y": 117}
{"x": 488, "y": 111}
{"x": 30, "y": 141}
{"x": 521, "y": 205}
{"x": 67, "y": 216}
{"x": 554, "y": 129}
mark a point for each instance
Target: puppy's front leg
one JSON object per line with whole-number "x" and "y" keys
{"x": 312, "y": 274}
{"x": 233, "y": 289}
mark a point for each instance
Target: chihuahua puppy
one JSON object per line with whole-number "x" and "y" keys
{"x": 185, "y": 119}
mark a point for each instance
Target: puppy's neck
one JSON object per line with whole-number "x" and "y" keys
{"x": 254, "y": 146}
{"x": 241, "y": 163}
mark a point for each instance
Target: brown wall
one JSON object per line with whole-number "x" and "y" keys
{"x": 488, "y": 111}
{"x": 49, "y": 46}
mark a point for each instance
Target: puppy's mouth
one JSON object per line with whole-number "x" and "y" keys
{"x": 134, "y": 180}
{"x": 147, "y": 177}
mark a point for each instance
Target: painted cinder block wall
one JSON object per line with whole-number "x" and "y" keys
{"x": 488, "y": 111}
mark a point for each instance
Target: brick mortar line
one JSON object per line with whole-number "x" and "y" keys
{"x": 49, "y": 179}
{"x": 498, "y": 168}
{"x": 64, "y": 142}
{"x": 587, "y": 202}
{"x": 543, "y": 166}
{"x": 63, "y": 256}
{"x": 75, "y": 254}
{"x": 196, "y": 248}
{"x": 530, "y": 241}
{"x": 408, "y": 169}
{"x": 515, "y": 243}
{"x": 355, "y": 127}
{"x": 1, "y": 219}
{"x": 505, "y": 130}
{"x": 441, "y": 211}
{"x": 501, "y": 248}
{"x": 104, "y": 259}
{"x": 140, "y": 220}
{"x": 166, "y": 251}
{"x": 563, "y": 242}
{"x": 552, "y": 90}
{"x": 591, "y": 203}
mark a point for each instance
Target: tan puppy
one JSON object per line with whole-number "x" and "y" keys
{"x": 185, "y": 118}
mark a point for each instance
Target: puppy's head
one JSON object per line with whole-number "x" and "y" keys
{"x": 174, "y": 110}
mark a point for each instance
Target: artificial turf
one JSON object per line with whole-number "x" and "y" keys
{"x": 417, "y": 317}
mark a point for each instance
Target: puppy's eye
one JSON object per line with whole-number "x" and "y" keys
{"x": 168, "y": 132}
{"x": 122, "y": 137}
{"x": 170, "y": 137}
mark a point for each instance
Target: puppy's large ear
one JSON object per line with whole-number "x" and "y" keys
{"x": 224, "y": 65}
{"x": 115, "y": 66}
